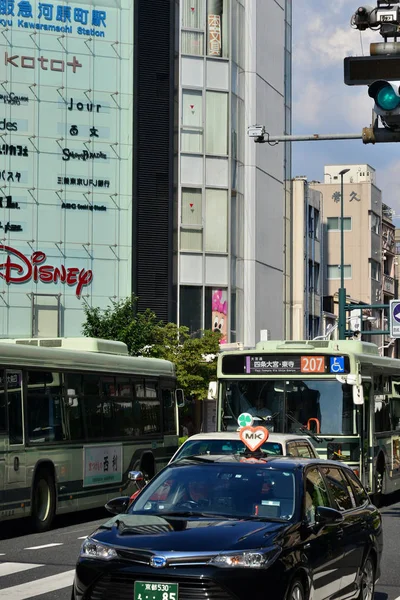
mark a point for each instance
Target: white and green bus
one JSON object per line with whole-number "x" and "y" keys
{"x": 76, "y": 415}
{"x": 342, "y": 392}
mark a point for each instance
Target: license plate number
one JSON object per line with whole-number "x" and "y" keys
{"x": 146, "y": 590}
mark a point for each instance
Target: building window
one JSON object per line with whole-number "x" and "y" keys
{"x": 333, "y": 271}
{"x": 192, "y": 121}
{"x": 193, "y": 14}
{"x": 190, "y": 312}
{"x": 191, "y": 219}
{"x": 375, "y": 222}
{"x": 397, "y": 247}
{"x": 375, "y": 270}
{"x": 313, "y": 276}
{"x": 216, "y": 123}
{"x": 193, "y": 43}
{"x": 333, "y": 223}
{"x": 216, "y": 221}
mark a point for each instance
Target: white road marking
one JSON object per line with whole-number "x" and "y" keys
{"x": 83, "y": 537}
{"x": 9, "y": 568}
{"x": 44, "y": 546}
{"x": 38, "y": 587}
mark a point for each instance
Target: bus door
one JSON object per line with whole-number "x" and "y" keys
{"x": 15, "y": 465}
{"x": 3, "y": 437}
{"x": 365, "y": 430}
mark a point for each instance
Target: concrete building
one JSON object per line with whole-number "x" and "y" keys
{"x": 368, "y": 244}
{"x": 306, "y": 269}
{"x": 235, "y": 70}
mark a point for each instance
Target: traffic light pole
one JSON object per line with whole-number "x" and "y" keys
{"x": 369, "y": 135}
{"x": 342, "y": 290}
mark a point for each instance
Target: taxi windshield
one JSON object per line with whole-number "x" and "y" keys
{"x": 221, "y": 446}
{"x": 220, "y": 489}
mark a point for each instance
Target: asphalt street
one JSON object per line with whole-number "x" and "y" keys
{"x": 42, "y": 565}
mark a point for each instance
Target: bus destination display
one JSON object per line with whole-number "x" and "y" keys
{"x": 281, "y": 364}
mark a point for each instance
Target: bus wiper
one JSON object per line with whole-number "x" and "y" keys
{"x": 304, "y": 429}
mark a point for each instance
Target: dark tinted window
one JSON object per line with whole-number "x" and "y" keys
{"x": 44, "y": 407}
{"x": 168, "y": 402}
{"x": 148, "y": 408}
{"x": 315, "y": 494}
{"x": 14, "y": 399}
{"x": 73, "y": 407}
{"x": 3, "y": 413}
{"x": 339, "y": 488}
{"x": 360, "y": 495}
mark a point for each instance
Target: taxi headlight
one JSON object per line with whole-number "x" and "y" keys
{"x": 253, "y": 559}
{"x": 93, "y": 549}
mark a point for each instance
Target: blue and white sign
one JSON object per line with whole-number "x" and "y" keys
{"x": 336, "y": 364}
{"x": 394, "y": 318}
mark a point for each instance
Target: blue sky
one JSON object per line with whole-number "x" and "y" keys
{"x": 322, "y": 103}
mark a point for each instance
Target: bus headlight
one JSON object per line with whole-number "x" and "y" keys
{"x": 93, "y": 549}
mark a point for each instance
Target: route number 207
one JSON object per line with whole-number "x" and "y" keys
{"x": 312, "y": 364}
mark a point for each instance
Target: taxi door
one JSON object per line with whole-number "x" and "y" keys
{"x": 3, "y": 436}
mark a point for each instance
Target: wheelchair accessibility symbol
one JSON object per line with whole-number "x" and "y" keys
{"x": 337, "y": 364}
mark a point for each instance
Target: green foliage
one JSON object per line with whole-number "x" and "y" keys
{"x": 121, "y": 323}
{"x": 182, "y": 440}
{"x": 144, "y": 334}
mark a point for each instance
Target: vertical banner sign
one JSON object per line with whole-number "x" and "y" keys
{"x": 66, "y": 122}
{"x": 214, "y": 35}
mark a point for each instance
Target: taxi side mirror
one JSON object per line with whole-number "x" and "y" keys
{"x": 327, "y": 516}
{"x": 116, "y": 506}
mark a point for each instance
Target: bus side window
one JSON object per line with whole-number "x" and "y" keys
{"x": 73, "y": 406}
{"x": 168, "y": 402}
{"x": 44, "y": 394}
{"x": 3, "y": 413}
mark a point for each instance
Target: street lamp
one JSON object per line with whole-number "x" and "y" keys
{"x": 342, "y": 291}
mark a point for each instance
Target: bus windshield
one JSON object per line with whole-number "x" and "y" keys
{"x": 324, "y": 406}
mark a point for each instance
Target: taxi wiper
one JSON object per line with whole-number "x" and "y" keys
{"x": 197, "y": 458}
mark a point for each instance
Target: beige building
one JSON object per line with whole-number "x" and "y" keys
{"x": 305, "y": 271}
{"x": 368, "y": 244}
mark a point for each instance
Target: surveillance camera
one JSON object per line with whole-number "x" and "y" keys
{"x": 362, "y": 17}
{"x": 256, "y": 131}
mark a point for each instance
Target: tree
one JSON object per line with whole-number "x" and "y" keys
{"x": 145, "y": 335}
{"x": 121, "y": 323}
{"x": 194, "y": 357}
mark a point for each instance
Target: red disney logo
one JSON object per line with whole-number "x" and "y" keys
{"x": 15, "y": 272}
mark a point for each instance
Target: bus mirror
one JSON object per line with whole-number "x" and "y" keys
{"x": 358, "y": 394}
{"x": 136, "y": 476}
{"x": 212, "y": 390}
{"x": 180, "y": 398}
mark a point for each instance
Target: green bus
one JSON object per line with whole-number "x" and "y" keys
{"x": 76, "y": 415}
{"x": 342, "y": 393}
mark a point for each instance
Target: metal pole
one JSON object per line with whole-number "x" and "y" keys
{"x": 314, "y": 137}
{"x": 342, "y": 291}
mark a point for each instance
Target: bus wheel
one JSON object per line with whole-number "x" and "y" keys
{"x": 43, "y": 501}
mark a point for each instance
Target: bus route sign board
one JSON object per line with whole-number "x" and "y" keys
{"x": 394, "y": 318}
{"x": 282, "y": 364}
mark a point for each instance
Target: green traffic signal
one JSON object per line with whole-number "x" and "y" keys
{"x": 387, "y": 99}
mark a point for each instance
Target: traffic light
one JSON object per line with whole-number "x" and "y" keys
{"x": 387, "y": 103}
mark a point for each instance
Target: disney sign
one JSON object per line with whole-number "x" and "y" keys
{"x": 18, "y": 268}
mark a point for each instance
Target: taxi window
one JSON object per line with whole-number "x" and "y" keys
{"x": 315, "y": 494}
{"x": 291, "y": 449}
{"x": 304, "y": 450}
{"x": 360, "y": 495}
{"x": 342, "y": 495}
{"x": 221, "y": 446}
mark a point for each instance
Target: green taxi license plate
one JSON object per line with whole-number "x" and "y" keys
{"x": 147, "y": 590}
